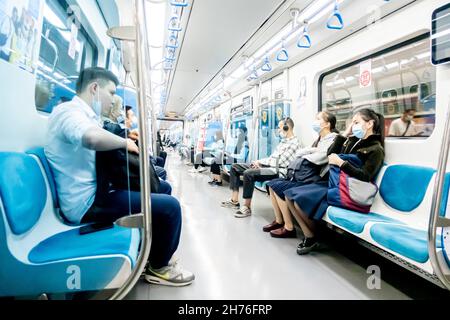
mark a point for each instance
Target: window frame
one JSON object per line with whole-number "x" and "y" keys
{"x": 376, "y": 54}
{"x": 87, "y": 45}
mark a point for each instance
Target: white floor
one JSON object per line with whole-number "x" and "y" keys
{"x": 234, "y": 260}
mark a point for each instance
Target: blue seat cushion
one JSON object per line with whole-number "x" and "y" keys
{"x": 39, "y": 152}
{"x": 415, "y": 179}
{"x": 355, "y": 221}
{"x": 261, "y": 185}
{"x": 406, "y": 241}
{"x": 22, "y": 190}
{"x": 71, "y": 245}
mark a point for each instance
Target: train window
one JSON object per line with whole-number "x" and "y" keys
{"x": 65, "y": 50}
{"x": 115, "y": 62}
{"x": 398, "y": 82}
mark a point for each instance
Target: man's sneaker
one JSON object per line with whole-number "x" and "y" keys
{"x": 193, "y": 170}
{"x": 171, "y": 275}
{"x": 307, "y": 245}
{"x": 243, "y": 212}
{"x": 230, "y": 204}
{"x": 201, "y": 169}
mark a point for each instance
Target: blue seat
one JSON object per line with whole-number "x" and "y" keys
{"x": 31, "y": 265}
{"x": 107, "y": 242}
{"x": 40, "y": 154}
{"x": 356, "y": 221}
{"x": 261, "y": 186}
{"x": 414, "y": 181}
{"x": 406, "y": 241}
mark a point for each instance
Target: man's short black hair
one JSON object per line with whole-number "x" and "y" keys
{"x": 95, "y": 74}
{"x": 128, "y": 108}
{"x": 289, "y": 122}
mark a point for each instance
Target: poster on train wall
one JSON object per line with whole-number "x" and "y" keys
{"x": 365, "y": 74}
{"x": 303, "y": 93}
{"x": 20, "y": 30}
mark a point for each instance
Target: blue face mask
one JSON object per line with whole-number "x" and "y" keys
{"x": 316, "y": 126}
{"x": 358, "y": 131}
{"x": 97, "y": 105}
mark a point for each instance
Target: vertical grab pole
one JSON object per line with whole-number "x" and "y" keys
{"x": 436, "y": 203}
{"x": 143, "y": 156}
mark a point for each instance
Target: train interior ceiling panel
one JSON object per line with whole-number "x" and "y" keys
{"x": 224, "y": 150}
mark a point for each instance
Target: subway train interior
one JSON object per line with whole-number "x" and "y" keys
{"x": 224, "y": 150}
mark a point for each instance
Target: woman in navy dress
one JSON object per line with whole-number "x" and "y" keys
{"x": 364, "y": 137}
{"x": 325, "y": 126}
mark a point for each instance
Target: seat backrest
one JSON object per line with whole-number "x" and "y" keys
{"x": 403, "y": 187}
{"x": 23, "y": 191}
{"x": 40, "y": 154}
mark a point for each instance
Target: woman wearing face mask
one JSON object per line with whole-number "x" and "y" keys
{"x": 364, "y": 137}
{"x": 317, "y": 158}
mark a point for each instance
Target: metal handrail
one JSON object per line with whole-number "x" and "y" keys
{"x": 146, "y": 236}
{"x": 436, "y": 204}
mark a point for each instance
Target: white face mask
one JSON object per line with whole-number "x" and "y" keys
{"x": 409, "y": 118}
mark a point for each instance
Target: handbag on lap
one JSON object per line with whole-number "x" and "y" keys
{"x": 348, "y": 192}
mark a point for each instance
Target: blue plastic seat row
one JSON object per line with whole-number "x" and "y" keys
{"x": 63, "y": 261}
{"x": 403, "y": 188}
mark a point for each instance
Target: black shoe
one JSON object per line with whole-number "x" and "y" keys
{"x": 212, "y": 182}
{"x": 307, "y": 245}
{"x": 217, "y": 183}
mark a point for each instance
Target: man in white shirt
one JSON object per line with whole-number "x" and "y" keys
{"x": 405, "y": 126}
{"x": 74, "y": 135}
{"x": 262, "y": 170}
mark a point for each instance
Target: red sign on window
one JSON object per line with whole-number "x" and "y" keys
{"x": 365, "y": 74}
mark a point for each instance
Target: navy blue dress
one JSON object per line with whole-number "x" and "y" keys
{"x": 311, "y": 198}
{"x": 281, "y": 184}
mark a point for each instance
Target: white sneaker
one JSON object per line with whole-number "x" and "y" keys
{"x": 193, "y": 170}
{"x": 172, "y": 275}
{"x": 243, "y": 212}
{"x": 201, "y": 169}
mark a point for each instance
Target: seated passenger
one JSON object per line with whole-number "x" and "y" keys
{"x": 217, "y": 155}
{"x": 405, "y": 126}
{"x": 317, "y": 160}
{"x": 240, "y": 150}
{"x": 113, "y": 122}
{"x": 364, "y": 137}
{"x": 262, "y": 170}
{"x": 161, "y": 155}
{"x": 216, "y": 148}
{"x": 74, "y": 135}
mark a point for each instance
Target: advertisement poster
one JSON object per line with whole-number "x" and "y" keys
{"x": 20, "y": 32}
{"x": 303, "y": 93}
